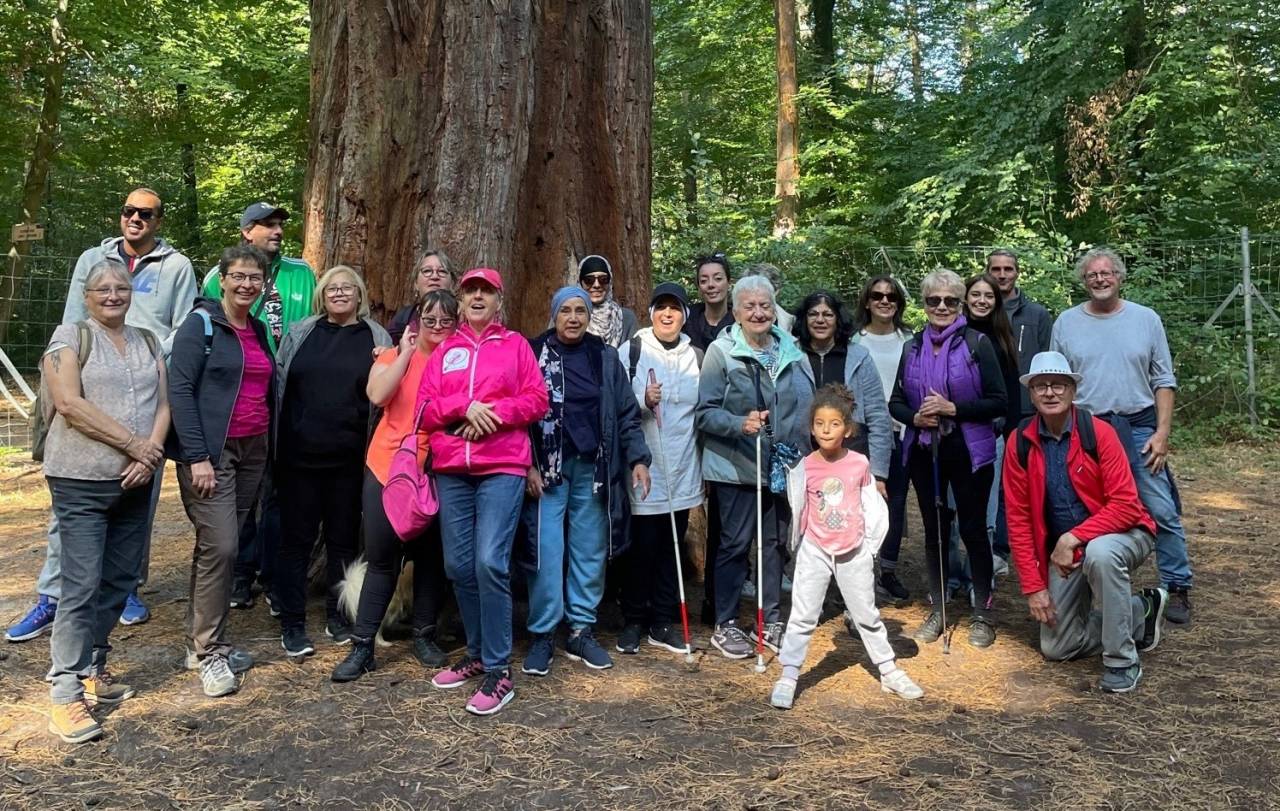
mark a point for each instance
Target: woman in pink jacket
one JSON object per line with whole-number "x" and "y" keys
{"x": 483, "y": 389}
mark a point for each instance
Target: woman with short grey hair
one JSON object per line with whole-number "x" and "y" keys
{"x": 106, "y": 382}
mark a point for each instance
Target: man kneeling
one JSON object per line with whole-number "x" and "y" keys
{"x": 1077, "y": 529}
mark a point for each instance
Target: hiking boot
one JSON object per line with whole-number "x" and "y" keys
{"x": 339, "y": 630}
{"x": 1178, "y": 608}
{"x": 102, "y": 688}
{"x": 295, "y": 641}
{"x": 784, "y": 694}
{"x": 731, "y": 641}
{"x": 668, "y": 637}
{"x": 772, "y": 635}
{"x": 931, "y": 629}
{"x": 358, "y": 662}
{"x": 899, "y": 683}
{"x": 581, "y": 646}
{"x": 216, "y": 676}
{"x": 495, "y": 692}
{"x": 1155, "y": 602}
{"x": 73, "y": 722}
{"x": 463, "y": 671}
{"x": 239, "y": 661}
{"x": 134, "y": 612}
{"x": 38, "y": 620}
{"x": 629, "y": 639}
{"x": 982, "y": 634}
{"x": 426, "y": 651}
{"x": 1120, "y": 679}
{"x": 537, "y": 662}
{"x": 242, "y": 594}
{"x": 890, "y": 589}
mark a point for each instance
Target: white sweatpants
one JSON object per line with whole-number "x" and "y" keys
{"x": 855, "y": 577}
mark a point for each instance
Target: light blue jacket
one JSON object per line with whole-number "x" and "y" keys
{"x": 871, "y": 407}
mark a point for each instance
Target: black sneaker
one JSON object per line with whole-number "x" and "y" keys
{"x": 358, "y": 662}
{"x": 242, "y": 594}
{"x": 931, "y": 629}
{"x": 339, "y": 631}
{"x": 1178, "y": 609}
{"x": 629, "y": 639}
{"x": 890, "y": 589}
{"x": 295, "y": 641}
{"x": 982, "y": 634}
{"x": 581, "y": 646}
{"x": 1156, "y": 602}
{"x": 668, "y": 637}
{"x": 425, "y": 649}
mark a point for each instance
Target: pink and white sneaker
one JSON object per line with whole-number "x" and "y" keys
{"x": 495, "y": 693}
{"x": 462, "y": 671}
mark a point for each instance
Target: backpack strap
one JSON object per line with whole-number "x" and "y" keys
{"x": 633, "y": 354}
{"x": 1024, "y": 444}
{"x": 1084, "y": 430}
{"x": 86, "y": 342}
{"x": 208, "y": 329}
{"x": 698, "y": 353}
{"x": 153, "y": 343}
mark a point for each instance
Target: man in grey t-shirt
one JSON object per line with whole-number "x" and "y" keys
{"x": 1121, "y": 349}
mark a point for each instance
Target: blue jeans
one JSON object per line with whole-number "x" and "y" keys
{"x": 1156, "y": 492}
{"x": 555, "y": 593}
{"x": 478, "y": 516}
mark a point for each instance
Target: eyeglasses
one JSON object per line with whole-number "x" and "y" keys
{"x": 876, "y": 295}
{"x": 339, "y": 289}
{"x": 107, "y": 292}
{"x": 441, "y": 272}
{"x": 820, "y": 315}
{"x": 946, "y": 302}
{"x": 1099, "y": 275}
{"x": 241, "y": 278}
{"x": 596, "y": 280}
{"x": 144, "y": 214}
{"x": 1044, "y": 387}
{"x": 439, "y": 323}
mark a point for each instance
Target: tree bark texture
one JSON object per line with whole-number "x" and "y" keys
{"x": 512, "y": 134}
{"x": 917, "y": 55}
{"x": 787, "y": 174}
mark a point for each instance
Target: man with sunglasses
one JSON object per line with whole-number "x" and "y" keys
{"x": 164, "y": 288}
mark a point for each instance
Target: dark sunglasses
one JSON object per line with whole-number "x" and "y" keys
{"x": 144, "y": 214}
{"x": 876, "y": 295}
{"x": 594, "y": 279}
{"x": 950, "y": 302}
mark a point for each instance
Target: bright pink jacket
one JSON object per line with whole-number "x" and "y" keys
{"x": 495, "y": 367}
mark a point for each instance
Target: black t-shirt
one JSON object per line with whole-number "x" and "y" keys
{"x": 325, "y": 420}
{"x": 700, "y": 332}
{"x": 581, "y": 415}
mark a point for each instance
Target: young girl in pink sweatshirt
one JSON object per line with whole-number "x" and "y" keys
{"x": 840, "y": 521}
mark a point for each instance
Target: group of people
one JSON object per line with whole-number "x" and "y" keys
{"x": 576, "y": 456}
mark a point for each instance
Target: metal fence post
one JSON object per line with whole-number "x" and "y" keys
{"x": 1246, "y": 282}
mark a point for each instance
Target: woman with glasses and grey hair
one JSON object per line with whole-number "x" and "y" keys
{"x": 949, "y": 392}
{"x": 106, "y": 382}
{"x": 434, "y": 271}
{"x": 320, "y": 440}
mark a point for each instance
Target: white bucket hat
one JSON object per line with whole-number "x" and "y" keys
{"x": 1049, "y": 363}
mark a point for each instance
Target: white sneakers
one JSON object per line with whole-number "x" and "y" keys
{"x": 897, "y": 681}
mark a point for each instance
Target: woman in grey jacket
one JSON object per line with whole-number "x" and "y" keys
{"x": 754, "y": 378}
{"x": 319, "y": 444}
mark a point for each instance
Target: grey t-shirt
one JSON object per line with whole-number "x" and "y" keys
{"x": 126, "y": 387}
{"x": 1123, "y": 357}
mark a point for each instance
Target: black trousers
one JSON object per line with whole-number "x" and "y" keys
{"x": 315, "y": 502}
{"x": 650, "y": 592}
{"x": 386, "y": 553}
{"x": 712, "y": 546}
{"x": 971, "y": 487}
{"x": 737, "y": 537}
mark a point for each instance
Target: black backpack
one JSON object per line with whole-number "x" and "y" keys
{"x": 1084, "y": 427}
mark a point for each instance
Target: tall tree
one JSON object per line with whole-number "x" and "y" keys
{"x": 787, "y": 174}
{"x": 512, "y": 133}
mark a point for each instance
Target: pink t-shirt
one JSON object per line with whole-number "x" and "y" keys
{"x": 251, "y": 415}
{"x": 833, "y": 501}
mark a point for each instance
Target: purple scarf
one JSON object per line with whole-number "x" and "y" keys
{"x": 933, "y": 369}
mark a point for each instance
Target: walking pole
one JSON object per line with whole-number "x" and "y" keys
{"x": 675, "y": 537}
{"x": 942, "y": 549}
{"x": 759, "y": 561}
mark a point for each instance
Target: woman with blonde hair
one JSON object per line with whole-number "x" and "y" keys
{"x": 319, "y": 442}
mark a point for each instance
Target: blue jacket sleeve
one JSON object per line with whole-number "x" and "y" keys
{"x": 186, "y": 366}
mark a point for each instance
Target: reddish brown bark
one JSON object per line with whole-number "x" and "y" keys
{"x": 510, "y": 133}
{"x": 787, "y": 173}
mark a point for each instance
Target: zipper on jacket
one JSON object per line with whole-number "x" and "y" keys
{"x": 1021, "y": 331}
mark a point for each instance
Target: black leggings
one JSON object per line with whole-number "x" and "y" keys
{"x": 971, "y": 487}
{"x": 385, "y": 552}
{"x": 650, "y": 592}
{"x": 309, "y": 500}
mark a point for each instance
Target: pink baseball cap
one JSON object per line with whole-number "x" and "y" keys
{"x": 489, "y": 276}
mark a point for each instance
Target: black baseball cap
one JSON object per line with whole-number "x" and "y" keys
{"x": 259, "y": 212}
{"x": 669, "y": 290}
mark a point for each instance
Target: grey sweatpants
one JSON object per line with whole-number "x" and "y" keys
{"x": 855, "y": 577}
{"x": 1101, "y": 579}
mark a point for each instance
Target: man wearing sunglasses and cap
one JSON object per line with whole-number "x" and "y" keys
{"x": 164, "y": 287}
{"x": 1078, "y": 531}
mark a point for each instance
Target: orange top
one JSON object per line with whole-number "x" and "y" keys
{"x": 397, "y": 416}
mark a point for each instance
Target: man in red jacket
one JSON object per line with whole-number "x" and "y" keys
{"x": 1077, "y": 529}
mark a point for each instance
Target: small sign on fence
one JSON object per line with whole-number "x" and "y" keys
{"x": 26, "y": 232}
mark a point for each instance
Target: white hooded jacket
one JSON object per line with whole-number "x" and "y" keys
{"x": 674, "y": 446}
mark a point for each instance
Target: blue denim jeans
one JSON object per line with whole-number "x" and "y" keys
{"x": 478, "y": 516}
{"x": 570, "y": 522}
{"x": 1156, "y": 492}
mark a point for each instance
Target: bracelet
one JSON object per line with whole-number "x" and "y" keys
{"x": 130, "y": 441}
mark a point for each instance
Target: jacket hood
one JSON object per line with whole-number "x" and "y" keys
{"x": 646, "y": 336}
{"x": 735, "y": 345}
{"x": 161, "y": 249}
{"x": 212, "y": 306}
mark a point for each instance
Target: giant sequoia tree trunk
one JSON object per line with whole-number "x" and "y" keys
{"x": 509, "y": 133}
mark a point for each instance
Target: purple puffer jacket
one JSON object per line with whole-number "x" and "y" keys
{"x": 964, "y": 383}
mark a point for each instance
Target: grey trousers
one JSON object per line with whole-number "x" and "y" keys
{"x": 855, "y": 576}
{"x": 104, "y": 531}
{"x": 1102, "y": 580}
{"x": 217, "y": 520}
{"x": 48, "y": 583}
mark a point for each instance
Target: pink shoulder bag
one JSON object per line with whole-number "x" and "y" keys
{"x": 409, "y": 496}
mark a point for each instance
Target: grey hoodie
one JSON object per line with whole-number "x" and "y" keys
{"x": 164, "y": 288}
{"x": 1032, "y": 331}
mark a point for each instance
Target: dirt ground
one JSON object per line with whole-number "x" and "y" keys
{"x": 998, "y": 728}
